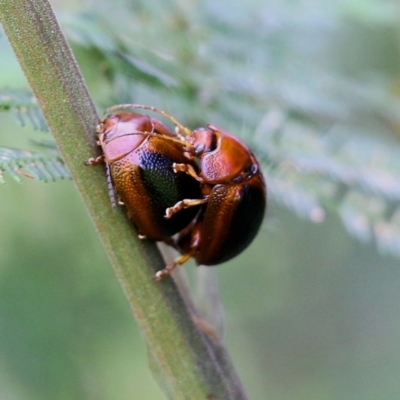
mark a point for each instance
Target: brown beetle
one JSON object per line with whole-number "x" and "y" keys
{"x": 139, "y": 153}
{"x": 233, "y": 195}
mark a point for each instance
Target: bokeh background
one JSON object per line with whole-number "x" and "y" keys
{"x": 310, "y": 311}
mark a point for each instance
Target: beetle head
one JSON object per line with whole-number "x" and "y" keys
{"x": 224, "y": 158}
{"x": 120, "y": 133}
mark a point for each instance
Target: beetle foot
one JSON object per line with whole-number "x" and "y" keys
{"x": 181, "y": 133}
{"x": 160, "y": 275}
{"x": 180, "y": 205}
{"x": 188, "y": 169}
{"x": 180, "y": 167}
{"x": 170, "y": 211}
{"x": 100, "y": 127}
{"x": 95, "y": 160}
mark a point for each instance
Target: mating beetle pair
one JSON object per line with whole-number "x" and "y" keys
{"x": 199, "y": 191}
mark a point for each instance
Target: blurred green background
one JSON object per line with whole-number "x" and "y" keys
{"x": 309, "y": 311}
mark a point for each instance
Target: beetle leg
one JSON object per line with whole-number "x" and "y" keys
{"x": 100, "y": 127}
{"x": 160, "y": 275}
{"x": 95, "y": 160}
{"x": 179, "y": 134}
{"x": 110, "y": 184}
{"x": 188, "y": 169}
{"x": 111, "y": 192}
{"x": 186, "y": 203}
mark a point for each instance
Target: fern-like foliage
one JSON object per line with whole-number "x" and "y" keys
{"x": 46, "y": 165}
{"x": 23, "y": 106}
{"x": 18, "y": 163}
{"x": 324, "y": 126}
{"x": 337, "y": 172}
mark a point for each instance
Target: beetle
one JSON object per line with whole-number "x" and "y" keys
{"x": 139, "y": 153}
{"x": 233, "y": 195}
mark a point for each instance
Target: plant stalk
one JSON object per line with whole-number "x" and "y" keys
{"x": 188, "y": 364}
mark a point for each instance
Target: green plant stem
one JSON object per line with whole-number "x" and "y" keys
{"x": 188, "y": 363}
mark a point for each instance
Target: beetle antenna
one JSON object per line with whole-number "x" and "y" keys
{"x": 147, "y": 134}
{"x": 183, "y": 128}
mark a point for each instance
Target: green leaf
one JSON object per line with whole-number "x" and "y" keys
{"x": 31, "y": 164}
{"x": 23, "y": 105}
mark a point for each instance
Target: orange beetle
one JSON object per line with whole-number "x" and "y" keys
{"x": 139, "y": 153}
{"x": 233, "y": 195}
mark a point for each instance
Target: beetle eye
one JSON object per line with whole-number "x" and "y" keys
{"x": 237, "y": 179}
{"x": 199, "y": 149}
{"x": 204, "y": 140}
{"x": 109, "y": 135}
{"x": 254, "y": 168}
{"x": 251, "y": 169}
